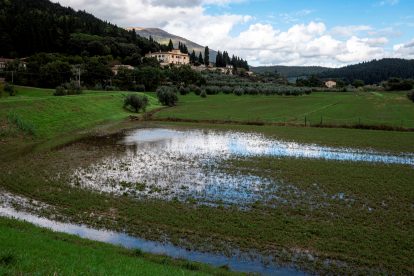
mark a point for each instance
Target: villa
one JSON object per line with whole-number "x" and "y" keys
{"x": 172, "y": 57}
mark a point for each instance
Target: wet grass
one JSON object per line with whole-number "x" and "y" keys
{"x": 363, "y": 108}
{"x": 356, "y": 213}
{"x": 29, "y": 250}
{"x": 35, "y": 115}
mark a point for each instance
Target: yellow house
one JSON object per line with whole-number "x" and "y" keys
{"x": 172, "y": 57}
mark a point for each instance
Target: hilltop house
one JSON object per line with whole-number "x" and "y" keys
{"x": 4, "y": 61}
{"x": 330, "y": 84}
{"x": 172, "y": 57}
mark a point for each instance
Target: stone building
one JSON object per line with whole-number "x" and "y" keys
{"x": 172, "y": 57}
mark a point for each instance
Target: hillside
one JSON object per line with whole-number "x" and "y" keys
{"x": 30, "y": 27}
{"x": 373, "y": 71}
{"x": 164, "y": 37}
{"x": 290, "y": 71}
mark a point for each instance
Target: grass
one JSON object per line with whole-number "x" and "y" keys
{"x": 372, "y": 230}
{"x": 29, "y": 250}
{"x": 42, "y": 116}
{"x": 364, "y": 108}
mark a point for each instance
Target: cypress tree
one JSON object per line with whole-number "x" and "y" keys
{"x": 170, "y": 44}
{"x": 200, "y": 58}
{"x": 206, "y": 56}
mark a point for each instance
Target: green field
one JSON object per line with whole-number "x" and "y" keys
{"x": 371, "y": 233}
{"x": 366, "y": 108}
{"x": 28, "y": 250}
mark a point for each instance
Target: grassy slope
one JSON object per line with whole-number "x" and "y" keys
{"x": 53, "y": 116}
{"x": 334, "y": 108}
{"x": 26, "y": 249}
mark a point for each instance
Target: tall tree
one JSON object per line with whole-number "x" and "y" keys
{"x": 170, "y": 45}
{"x": 193, "y": 57}
{"x": 206, "y": 56}
{"x": 200, "y": 58}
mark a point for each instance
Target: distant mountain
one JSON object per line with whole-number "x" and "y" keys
{"x": 373, "y": 71}
{"x": 290, "y": 71}
{"x": 164, "y": 37}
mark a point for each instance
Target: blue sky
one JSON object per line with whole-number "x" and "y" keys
{"x": 265, "y": 32}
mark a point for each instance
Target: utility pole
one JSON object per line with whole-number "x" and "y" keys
{"x": 79, "y": 73}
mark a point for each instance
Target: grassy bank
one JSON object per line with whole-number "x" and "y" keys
{"x": 35, "y": 115}
{"x": 26, "y": 249}
{"x": 365, "y": 108}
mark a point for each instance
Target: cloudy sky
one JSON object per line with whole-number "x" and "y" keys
{"x": 289, "y": 32}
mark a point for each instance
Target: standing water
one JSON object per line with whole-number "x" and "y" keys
{"x": 190, "y": 164}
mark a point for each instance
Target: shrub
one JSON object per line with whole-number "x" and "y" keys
{"x": 195, "y": 89}
{"x": 203, "y": 94}
{"x": 111, "y": 88}
{"x": 212, "y": 90}
{"x": 167, "y": 95}
{"x": 139, "y": 88}
{"x": 226, "y": 89}
{"x": 73, "y": 88}
{"x": 136, "y": 102}
{"x": 184, "y": 90}
{"x": 410, "y": 95}
{"x": 10, "y": 89}
{"x": 238, "y": 91}
{"x": 60, "y": 91}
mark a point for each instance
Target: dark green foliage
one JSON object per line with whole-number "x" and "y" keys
{"x": 195, "y": 89}
{"x": 136, "y": 102}
{"x": 238, "y": 91}
{"x": 206, "y": 56}
{"x": 69, "y": 88}
{"x": 170, "y": 45}
{"x": 184, "y": 75}
{"x": 374, "y": 71}
{"x": 358, "y": 83}
{"x": 203, "y": 94}
{"x": 183, "y": 48}
{"x": 167, "y": 95}
{"x": 7, "y": 259}
{"x": 396, "y": 84}
{"x": 184, "y": 90}
{"x": 290, "y": 71}
{"x": 8, "y": 88}
{"x": 60, "y": 91}
{"x": 312, "y": 81}
{"x": 29, "y": 27}
{"x": 200, "y": 59}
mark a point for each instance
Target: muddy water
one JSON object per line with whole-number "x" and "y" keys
{"x": 183, "y": 164}
{"x": 250, "y": 263}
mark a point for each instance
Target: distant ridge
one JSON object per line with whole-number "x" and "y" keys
{"x": 164, "y": 37}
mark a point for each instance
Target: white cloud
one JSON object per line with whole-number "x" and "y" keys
{"x": 404, "y": 50}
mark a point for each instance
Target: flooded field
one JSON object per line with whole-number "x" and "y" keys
{"x": 188, "y": 165}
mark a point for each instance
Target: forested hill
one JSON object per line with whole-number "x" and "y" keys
{"x": 32, "y": 26}
{"x": 374, "y": 71}
{"x": 290, "y": 71}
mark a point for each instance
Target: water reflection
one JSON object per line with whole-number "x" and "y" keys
{"x": 183, "y": 165}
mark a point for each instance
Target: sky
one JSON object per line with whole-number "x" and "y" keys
{"x": 329, "y": 33}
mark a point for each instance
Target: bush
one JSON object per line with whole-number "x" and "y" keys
{"x": 136, "y": 102}
{"x": 203, "y": 94}
{"x": 69, "y": 88}
{"x": 238, "y": 91}
{"x": 10, "y": 89}
{"x": 410, "y": 95}
{"x": 195, "y": 89}
{"x": 167, "y": 95}
{"x": 184, "y": 90}
{"x": 60, "y": 91}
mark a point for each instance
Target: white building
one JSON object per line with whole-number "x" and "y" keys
{"x": 173, "y": 57}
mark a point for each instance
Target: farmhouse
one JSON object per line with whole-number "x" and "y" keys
{"x": 172, "y": 57}
{"x": 330, "y": 84}
{"x": 116, "y": 68}
{"x": 5, "y": 61}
